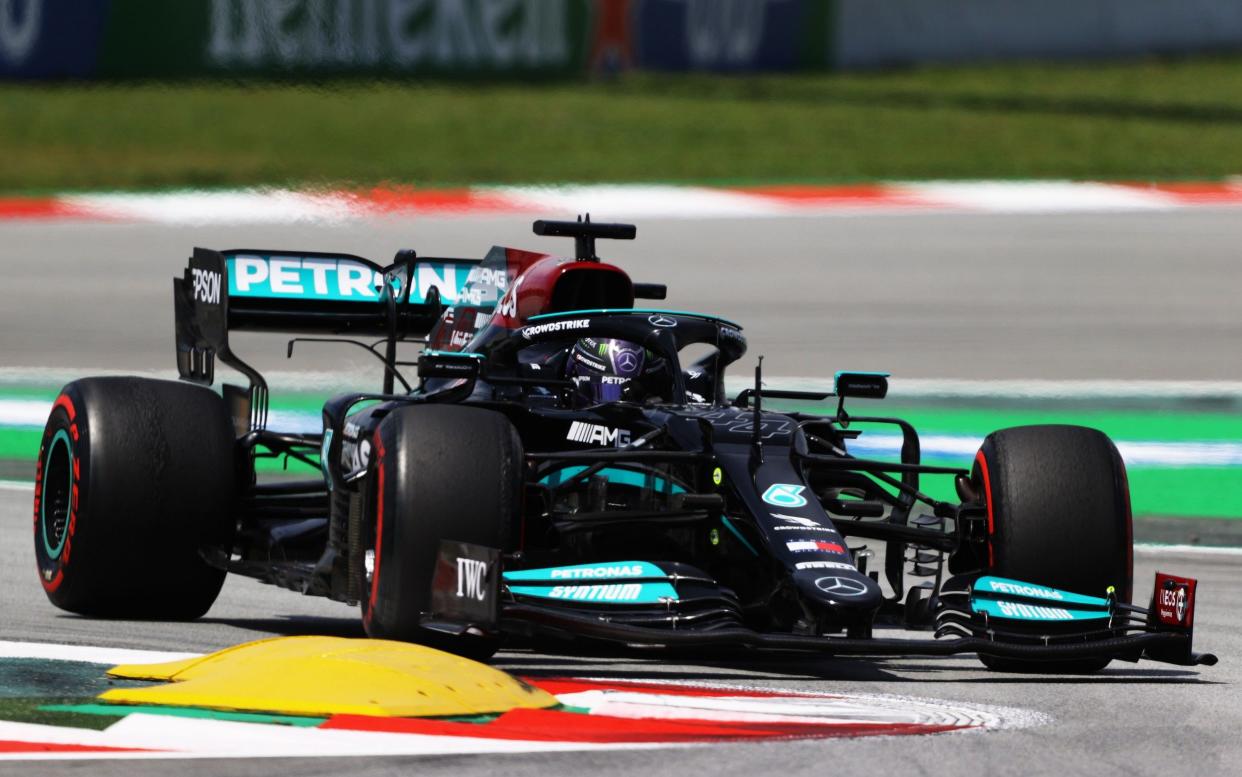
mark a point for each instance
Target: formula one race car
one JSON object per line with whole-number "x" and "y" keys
{"x": 568, "y": 466}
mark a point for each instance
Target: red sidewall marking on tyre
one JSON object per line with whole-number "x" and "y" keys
{"x": 987, "y": 497}
{"x": 379, "y": 525}
{"x": 65, "y": 402}
{"x": 61, "y": 562}
{"x": 1125, "y": 490}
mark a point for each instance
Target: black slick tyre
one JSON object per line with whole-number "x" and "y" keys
{"x": 134, "y": 477}
{"x": 439, "y": 472}
{"x": 1058, "y": 515}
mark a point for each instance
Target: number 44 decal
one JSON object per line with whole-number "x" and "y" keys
{"x": 785, "y": 495}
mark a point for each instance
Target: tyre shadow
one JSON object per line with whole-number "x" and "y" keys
{"x": 607, "y": 662}
{"x": 652, "y": 666}
{"x": 295, "y": 625}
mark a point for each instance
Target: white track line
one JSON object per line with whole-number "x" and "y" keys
{"x": 88, "y": 653}
{"x": 32, "y": 414}
{"x": 921, "y": 388}
{"x": 644, "y": 201}
{"x": 1135, "y": 453}
{"x": 173, "y": 737}
{"x": 1038, "y": 196}
{"x": 28, "y": 413}
{"x": 16, "y": 485}
{"x": 899, "y": 388}
{"x": 279, "y": 380}
{"x": 250, "y": 206}
{"x": 1186, "y": 550}
{"x": 647, "y": 201}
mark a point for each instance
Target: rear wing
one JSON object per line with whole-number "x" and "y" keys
{"x": 302, "y": 292}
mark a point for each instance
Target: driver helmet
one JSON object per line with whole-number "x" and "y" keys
{"x": 608, "y": 370}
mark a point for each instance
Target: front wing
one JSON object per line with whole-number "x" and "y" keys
{"x": 992, "y": 617}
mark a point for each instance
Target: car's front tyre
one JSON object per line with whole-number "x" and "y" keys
{"x": 1058, "y": 515}
{"x": 439, "y": 472}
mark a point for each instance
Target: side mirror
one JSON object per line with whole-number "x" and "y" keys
{"x": 868, "y": 385}
{"x": 650, "y": 291}
{"x": 448, "y": 364}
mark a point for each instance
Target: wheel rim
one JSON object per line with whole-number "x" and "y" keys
{"x": 57, "y": 501}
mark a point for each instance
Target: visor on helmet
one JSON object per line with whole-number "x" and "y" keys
{"x": 605, "y": 370}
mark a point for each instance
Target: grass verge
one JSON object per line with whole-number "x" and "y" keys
{"x": 1155, "y": 119}
{"x": 1181, "y": 492}
{"x": 50, "y": 711}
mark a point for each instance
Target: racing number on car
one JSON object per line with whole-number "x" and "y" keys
{"x": 767, "y": 428}
{"x": 785, "y": 495}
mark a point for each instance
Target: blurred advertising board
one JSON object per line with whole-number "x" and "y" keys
{"x": 316, "y": 38}
{"x": 282, "y": 38}
{"x": 48, "y": 39}
{"x": 721, "y": 35}
{"x": 886, "y": 33}
{"x": 160, "y": 39}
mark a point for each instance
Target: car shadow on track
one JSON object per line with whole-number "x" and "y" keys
{"x": 605, "y": 662}
{"x": 969, "y": 671}
{"x": 294, "y": 625}
{"x": 653, "y": 667}
{"x": 659, "y": 665}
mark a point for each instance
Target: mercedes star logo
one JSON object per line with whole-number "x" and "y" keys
{"x": 627, "y": 361}
{"x": 664, "y": 322}
{"x": 844, "y": 587}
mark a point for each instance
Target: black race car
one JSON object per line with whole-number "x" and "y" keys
{"x": 568, "y": 466}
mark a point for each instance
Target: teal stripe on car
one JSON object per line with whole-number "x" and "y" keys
{"x": 1021, "y": 611}
{"x": 624, "y": 477}
{"x": 339, "y": 279}
{"x": 612, "y": 570}
{"x": 1003, "y": 588}
{"x": 614, "y": 582}
{"x": 619, "y": 593}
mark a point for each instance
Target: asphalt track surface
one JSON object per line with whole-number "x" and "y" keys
{"x": 1131, "y": 296}
{"x": 1111, "y": 296}
{"x": 1145, "y": 719}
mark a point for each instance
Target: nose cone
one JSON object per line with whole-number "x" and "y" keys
{"x": 846, "y": 588}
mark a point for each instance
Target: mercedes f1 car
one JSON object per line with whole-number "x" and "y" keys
{"x": 568, "y": 466}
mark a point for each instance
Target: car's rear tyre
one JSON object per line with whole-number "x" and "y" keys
{"x": 440, "y": 472}
{"x": 1059, "y": 515}
{"x": 134, "y": 477}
